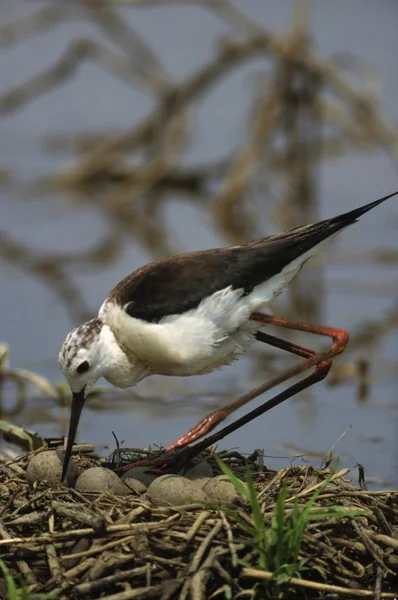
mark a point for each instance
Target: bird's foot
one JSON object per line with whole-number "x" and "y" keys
{"x": 163, "y": 463}
{"x": 181, "y": 452}
{"x": 200, "y": 430}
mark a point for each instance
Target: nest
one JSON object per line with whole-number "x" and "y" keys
{"x": 116, "y": 548}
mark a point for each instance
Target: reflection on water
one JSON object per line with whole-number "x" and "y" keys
{"x": 130, "y": 134}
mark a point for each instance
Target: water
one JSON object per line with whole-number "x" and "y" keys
{"x": 34, "y": 319}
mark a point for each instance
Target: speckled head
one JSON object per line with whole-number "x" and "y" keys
{"x": 90, "y": 352}
{"x": 82, "y": 362}
{"x": 78, "y": 357}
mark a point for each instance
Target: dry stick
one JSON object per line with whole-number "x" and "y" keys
{"x": 266, "y": 42}
{"x": 146, "y": 63}
{"x": 337, "y": 493}
{"x": 76, "y": 53}
{"x": 326, "y": 71}
{"x": 179, "y": 535}
{"x": 91, "y": 586}
{"x": 298, "y": 121}
{"x": 77, "y": 513}
{"x": 12, "y": 468}
{"x": 44, "y": 19}
{"x": 110, "y": 529}
{"x": 197, "y": 559}
{"x": 322, "y": 587}
{"x": 200, "y": 578}
{"x": 372, "y": 548}
{"x": 80, "y": 546}
{"x": 310, "y": 489}
{"x": 47, "y": 271}
{"x": 136, "y": 512}
{"x": 386, "y": 540}
{"x": 30, "y": 518}
{"x": 100, "y": 255}
{"x": 331, "y": 148}
{"x": 69, "y": 578}
{"x": 230, "y": 56}
{"x": 334, "y": 556}
{"x": 278, "y": 477}
{"x": 103, "y": 564}
{"x": 230, "y": 538}
{"x": 53, "y": 562}
{"x": 357, "y": 547}
{"x": 384, "y": 524}
{"x": 156, "y": 592}
{"x": 23, "y": 566}
{"x": 233, "y": 15}
{"x": 92, "y": 551}
{"x": 222, "y": 8}
{"x": 378, "y": 583}
{"x": 25, "y": 505}
{"x": 199, "y": 521}
{"x": 181, "y": 509}
{"x": 171, "y": 134}
{"x": 169, "y": 562}
{"x": 231, "y": 214}
{"x": 328, "y": 456}
{"x": 224, "y": 575}
{"x": 191, "y": 88}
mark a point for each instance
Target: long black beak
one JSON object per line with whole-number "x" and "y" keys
{"x": 76, "y": 410}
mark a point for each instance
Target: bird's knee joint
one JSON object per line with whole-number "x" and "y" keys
{"x": 323, "y": 368}
{"x": 340, "y": 340}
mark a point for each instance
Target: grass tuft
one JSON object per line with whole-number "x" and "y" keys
{"x": 279, "y": 540}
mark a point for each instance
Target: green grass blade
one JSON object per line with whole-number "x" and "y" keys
{"x": 257, "y": 516}
{"x": 12, "y": 591}
{"x": 236, "y": 482}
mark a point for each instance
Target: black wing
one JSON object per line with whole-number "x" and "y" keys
{"x": 177, "y": 284}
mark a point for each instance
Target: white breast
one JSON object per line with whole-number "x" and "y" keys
{"x": 194, "y": 342}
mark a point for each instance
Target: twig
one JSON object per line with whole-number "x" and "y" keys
{"x": 67, "y": 535}
{"x": 321, "y": 587}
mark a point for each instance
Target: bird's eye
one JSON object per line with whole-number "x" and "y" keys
{"x": 83, "y": 367}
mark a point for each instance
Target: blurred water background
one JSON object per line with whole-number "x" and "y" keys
{"x": 134, "y": 130}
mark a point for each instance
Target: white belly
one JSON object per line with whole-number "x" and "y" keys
{"x": 206, "y": 358}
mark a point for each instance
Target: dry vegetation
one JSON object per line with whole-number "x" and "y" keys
{"x": 103, "y": 546}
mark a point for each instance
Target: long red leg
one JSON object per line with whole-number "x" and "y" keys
{"x": 171, "y": 458}
{"x": 321, "y": 360}
{"x": 183, "y": 455}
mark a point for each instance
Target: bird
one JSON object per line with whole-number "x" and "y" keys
{"x": 196, "y": 312}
